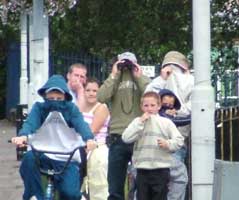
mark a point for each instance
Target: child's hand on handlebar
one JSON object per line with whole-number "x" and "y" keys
{"x": 91, "y": 145}
{"x": 20, "y": 141}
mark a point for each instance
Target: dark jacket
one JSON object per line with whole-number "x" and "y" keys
{"x": 177, "y": 120}
{"x": 69, "y": 110}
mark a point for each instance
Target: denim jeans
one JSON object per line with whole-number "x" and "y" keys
{"x": 131, "y": 181}
{"x": 120, "y": 154}
{"x": 178, "y": 176}
{"x": 68, "y": 183}
{"x": 181, "y": 154}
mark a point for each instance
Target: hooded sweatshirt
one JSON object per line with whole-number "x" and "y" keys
{"x": 178, "y": 120}
{"x": 180, "y": 81}
{"x": 69, "y": 110}
{"x": 123, "y": 92}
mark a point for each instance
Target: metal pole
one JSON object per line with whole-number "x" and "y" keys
{"x": 39, "y": 50}
{"x": 203, "y": 105}
{"x": 23, "y": 78}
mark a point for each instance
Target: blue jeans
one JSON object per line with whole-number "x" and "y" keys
{"x": 132, "y": 182}
{"x": 181, "y": 154}
{"x": 120, "y": 154}
{"x": 68, "y": 183}
{"x": 178, "y": 176}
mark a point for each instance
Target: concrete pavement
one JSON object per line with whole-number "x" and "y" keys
{"x": 11, "y": 186}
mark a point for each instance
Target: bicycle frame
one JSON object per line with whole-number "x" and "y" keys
{"x": 50, "y": 173}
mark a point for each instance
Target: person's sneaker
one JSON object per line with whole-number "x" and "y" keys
{"x": 83, "y": 198}
{"x": 33, "y": 198}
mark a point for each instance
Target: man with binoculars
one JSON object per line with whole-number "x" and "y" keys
{"x": 122, "y": 89}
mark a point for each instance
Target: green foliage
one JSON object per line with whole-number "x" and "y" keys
{"x": 224, "y": 59}
{"x": 108, "y": 27}
{"x": 223, "y": 30}
{"x": 10, "y": 10}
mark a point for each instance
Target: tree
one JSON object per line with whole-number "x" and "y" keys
{"x": 225, "y": 22}
{"x": 150, "y": 28}
{"x": 107, "y": 27}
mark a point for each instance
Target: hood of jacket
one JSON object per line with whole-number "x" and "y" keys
{"x": 56, "y": 81}
{"x": 163, "y": 92}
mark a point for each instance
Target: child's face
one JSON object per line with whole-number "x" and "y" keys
{"x": 150, "y": 105}
{"x": 55, "y": 95}
{"x": 91, "y": 90}
{"x": 168, "y": 101}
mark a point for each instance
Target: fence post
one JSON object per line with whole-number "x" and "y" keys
{"x": 21, "y": 114}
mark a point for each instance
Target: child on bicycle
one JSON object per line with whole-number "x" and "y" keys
{"x": 56, "y": 98}
{"x": 155, "y": 138}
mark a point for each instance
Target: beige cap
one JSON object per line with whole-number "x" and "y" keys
{"x": 176, "y": 58}
{"x": 128, "y": 56}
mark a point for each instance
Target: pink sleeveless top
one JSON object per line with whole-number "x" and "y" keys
{"x": 103, "y": 132}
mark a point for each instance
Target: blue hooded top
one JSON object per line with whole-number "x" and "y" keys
{"x": 69, "y": 110}
{"x": 56, "y": 81}
{"x": 177, "y": 120}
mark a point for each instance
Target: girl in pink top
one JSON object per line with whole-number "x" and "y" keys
{"x": 97, "y": 116}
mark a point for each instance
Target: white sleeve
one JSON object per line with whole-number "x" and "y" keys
{"x": 133, "y": 131}
{"x": 176, "y": 140}
{"x": 156, "y": 85}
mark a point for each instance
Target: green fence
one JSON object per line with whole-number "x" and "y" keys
{"x": 226, "y": 84}
{"x": 96, "y": 67}
{"x": 226, "y": 88}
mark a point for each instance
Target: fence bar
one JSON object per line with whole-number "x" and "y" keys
{"x": 222, "y": 135}
{"x": 230, "y": 134}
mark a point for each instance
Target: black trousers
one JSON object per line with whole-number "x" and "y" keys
{"x": 152, "y": 184}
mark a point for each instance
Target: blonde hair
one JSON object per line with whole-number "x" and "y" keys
{"x": 76, "y": 65}
{"x": 154, "y": 95}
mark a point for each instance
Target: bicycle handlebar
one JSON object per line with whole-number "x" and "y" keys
{"x": 53, "y": 172}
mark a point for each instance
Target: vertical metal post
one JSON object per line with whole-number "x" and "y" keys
{"x": 236, "y": 46}
{"x": 39, "y": 50}
{"x": 230, "y": 110}
{"x": 203, "y": 105}
{"x": 23, "y": 78}
{"x": 222, "y": 134}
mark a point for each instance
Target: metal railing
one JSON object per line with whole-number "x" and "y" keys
{"x": 226, "y": 88}
{"x": 96, "y": 67}
{"x": 227, "y": 133}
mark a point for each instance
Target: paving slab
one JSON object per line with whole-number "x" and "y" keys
{"x": 11, "y": 186}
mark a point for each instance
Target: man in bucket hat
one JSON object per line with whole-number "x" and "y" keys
{"x": 175, "y": 76}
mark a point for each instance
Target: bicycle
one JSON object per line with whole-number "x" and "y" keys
{"x": 52, "y": 143}
{"x": 50, "y": 173}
